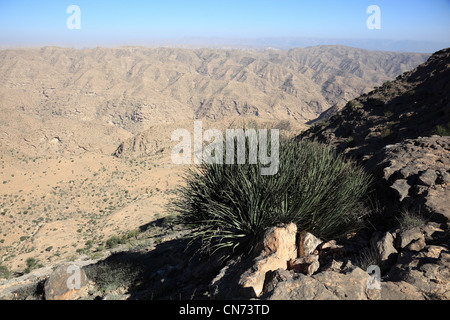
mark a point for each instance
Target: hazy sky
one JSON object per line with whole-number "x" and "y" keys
{"x": 43, "y": 22}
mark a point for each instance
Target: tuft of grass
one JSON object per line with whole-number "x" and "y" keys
{"x": 367, "y": 257}
{"x": 229, "y": 206}
{"x": 410, "y": 219}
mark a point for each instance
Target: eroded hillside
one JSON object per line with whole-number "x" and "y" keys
{"x": 64, "y": 112}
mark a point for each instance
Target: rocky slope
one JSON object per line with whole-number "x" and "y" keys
{"x": 389, "y": 131}
{"x": 411, "y": 106}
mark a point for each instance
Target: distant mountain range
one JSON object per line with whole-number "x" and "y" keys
{"x": 59, "y": 99}
{"x": 288, "y": 43}
{"x": 259, "y": 44}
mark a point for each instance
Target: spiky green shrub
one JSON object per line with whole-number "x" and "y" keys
{"x": 230, "y": 206}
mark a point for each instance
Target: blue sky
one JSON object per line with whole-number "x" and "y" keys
{"x": 31, "y": 23}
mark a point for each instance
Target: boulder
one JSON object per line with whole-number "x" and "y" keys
{"x": 332, "y": 249}
{"x": 443, "y": 177}
{"x": 307, "y": 244}
{"x": 65, "y": 283}
{"x": 405, "y": 237}
{"x": 326, "y": 285}
{"x": 245, "y": 279}
{"x": 384, "y": 244}
{"x": 428, "y": 177}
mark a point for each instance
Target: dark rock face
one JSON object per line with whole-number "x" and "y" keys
{"x": 417, "y": 169}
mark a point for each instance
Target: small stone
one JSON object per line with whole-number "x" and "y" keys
{"x": 416, "y": 245}
{"x": 307, "y": 244}
{"x": 443, "y": 177}
{"x": 428, "y": 177}
{"x": 334, "y": 265}
{"x": 306, "y": 265}
{"x": 405, "y": 237}
{"x": 432, "y": 252}
{"x": 402, "y": 187}
{"x": 384, "y": 243}
{"x": 420, "y": 190}
{"x": 433, "y": 231}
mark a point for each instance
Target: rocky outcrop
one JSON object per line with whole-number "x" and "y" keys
{"x": 65, "y": 281}
{"x": 327, "y": 285}
{"x": 418, "y": 172}
{"x": 246, "y": 279}
{"x": 428, "y": 271}
{"x": 408, "y": 266}
{"x": 407, "y": 273}
{"x": 281, "y": 251}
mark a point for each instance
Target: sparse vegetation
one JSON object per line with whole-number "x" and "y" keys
{"x": 443, "y": 131}
{"x": 4, "y": 272}
{"x": 113, "y": 275}
{"x": 409, "y": 219}
{"x": 229, "y": 206}
{"x": 32, "y": 264}
{"x": 354, "y": 104}
{"x": 387, "y": 85}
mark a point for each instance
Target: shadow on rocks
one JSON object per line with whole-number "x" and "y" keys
{"x": 173, "y": 270}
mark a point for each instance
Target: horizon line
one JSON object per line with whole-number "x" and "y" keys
{"x": 251, "y": 44}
